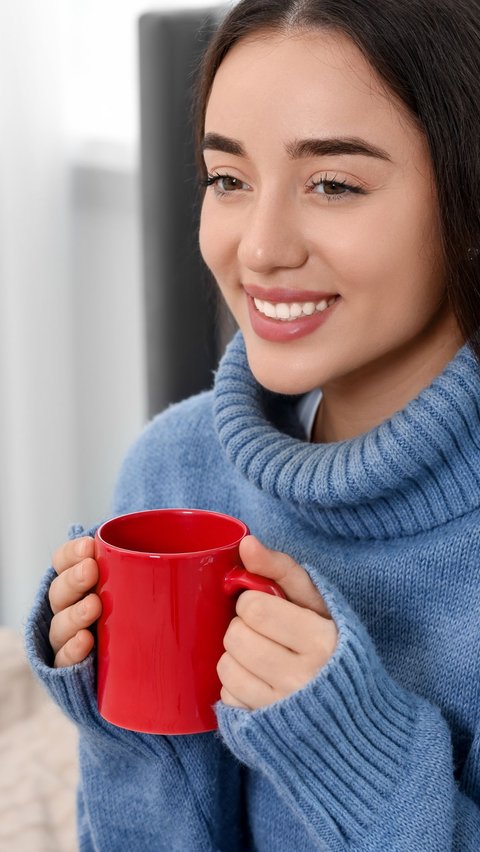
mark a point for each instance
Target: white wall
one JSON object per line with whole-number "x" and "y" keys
{"x": 36, "y": 391}
{"x": 72, "y": 392}
{"x": 103, "y": 64}
{"x": 107, "y": 337}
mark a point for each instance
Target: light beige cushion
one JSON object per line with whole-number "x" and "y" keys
{"x": 38, "y": 760}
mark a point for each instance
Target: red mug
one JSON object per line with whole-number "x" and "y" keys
{"x": 167, "y": 583}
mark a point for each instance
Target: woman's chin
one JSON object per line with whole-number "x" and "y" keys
{"x": 284, "y": 374}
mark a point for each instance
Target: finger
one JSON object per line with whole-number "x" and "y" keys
{"x": 243, "y": 685}
{"x": 272, "y": 663}
{"x": 70, "y": 586}
{"x": 66, "y": 624}
{"x": 71, "y": 552}
{"x": 280, "y": 567}
{"x": 75, "y": 650}
{"x": 230, "y": 699}
{"x": 299, "y": 629}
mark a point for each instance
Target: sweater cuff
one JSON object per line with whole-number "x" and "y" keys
{"x": 71, "y": 687}
{"x": 339, "y": 746}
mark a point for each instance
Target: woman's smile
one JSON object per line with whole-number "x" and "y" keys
{"x": 283, "y": 316}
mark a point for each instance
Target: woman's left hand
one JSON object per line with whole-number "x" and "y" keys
{"x": 274, "y": 646}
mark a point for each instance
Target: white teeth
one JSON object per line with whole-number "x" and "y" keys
{"x": 269, "y": 310}
{"x": 287, "y": 311}
{"x": 282, "y": 311}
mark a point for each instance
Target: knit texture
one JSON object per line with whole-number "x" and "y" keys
{"x": 381, "y": 750}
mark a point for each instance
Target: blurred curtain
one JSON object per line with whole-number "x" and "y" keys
{"x": 72, "y": 360}
{"x": 72, "y": 369}
{"x": 37, "y": 478}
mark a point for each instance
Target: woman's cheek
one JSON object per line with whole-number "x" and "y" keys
{"x": 205, "y": 237}
{"x": 219, "y": 254}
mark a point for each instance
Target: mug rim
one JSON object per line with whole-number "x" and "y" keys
{"x": 174, "y": 510}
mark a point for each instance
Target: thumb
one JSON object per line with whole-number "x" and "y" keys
{"x": 277, "y": 566}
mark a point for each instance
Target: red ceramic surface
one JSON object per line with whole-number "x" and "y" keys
{"x": 168, "y": 581}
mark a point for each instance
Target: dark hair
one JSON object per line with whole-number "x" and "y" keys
{"x": 428, "y": 54}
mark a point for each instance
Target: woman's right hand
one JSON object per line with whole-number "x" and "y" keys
{"x": 74, "y": 606}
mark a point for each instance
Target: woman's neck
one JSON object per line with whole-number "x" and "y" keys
{"x": 357, "y": 403}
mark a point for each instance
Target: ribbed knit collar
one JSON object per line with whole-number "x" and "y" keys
{"x": 417, "y": 470}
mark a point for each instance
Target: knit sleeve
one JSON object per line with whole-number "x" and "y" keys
{"x": 139, "y": 791}
{"x": 361, "y": 762}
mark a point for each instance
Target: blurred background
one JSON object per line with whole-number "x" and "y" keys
{"x": 73, "y": 362}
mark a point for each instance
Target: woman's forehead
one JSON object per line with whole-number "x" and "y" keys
{"x": 316, "y": 59}
{"x": 306, "y": 84}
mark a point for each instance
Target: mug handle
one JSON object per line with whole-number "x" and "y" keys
{"x": 239, "y": 579}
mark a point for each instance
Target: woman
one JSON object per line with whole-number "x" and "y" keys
{"x": 341, "y": 222}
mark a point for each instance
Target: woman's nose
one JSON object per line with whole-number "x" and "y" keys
{"x": 272, "y": 238}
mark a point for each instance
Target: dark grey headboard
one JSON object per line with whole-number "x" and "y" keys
{"x": 183, "y": 338}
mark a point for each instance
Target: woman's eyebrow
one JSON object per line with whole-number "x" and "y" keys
{"x": 302, "y": 148}
{"x": 337, "y": 145}
{"x": 217, "y": 142}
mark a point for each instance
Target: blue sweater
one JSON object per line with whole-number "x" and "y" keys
{"x": 381, "y": 750}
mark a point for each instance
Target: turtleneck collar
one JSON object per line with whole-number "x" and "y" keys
{"x": 413, "y": 472}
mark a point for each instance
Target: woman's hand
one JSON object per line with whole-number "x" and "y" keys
{"x": 274, "y": 647}
{"x": 73, "y": 607}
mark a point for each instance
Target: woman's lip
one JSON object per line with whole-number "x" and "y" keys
{"x": 278, "y": 295}
{"x": 277, "y": 331}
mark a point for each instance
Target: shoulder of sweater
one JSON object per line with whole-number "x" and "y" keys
{"x": 195, "y": 411}
{"x": 182, "y": 423}
{"x": 179, "y": 438}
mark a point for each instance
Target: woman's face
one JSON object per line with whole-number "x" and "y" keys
{"x": 321, "y": 224}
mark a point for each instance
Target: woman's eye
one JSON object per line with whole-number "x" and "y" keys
{"x": 330, "y": 187}
{"x": 335, "y": 188}
{"x": 229, "y": 184}
{"x": 224, "y": 184}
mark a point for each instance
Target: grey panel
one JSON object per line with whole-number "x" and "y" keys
{"x": 183, "y": 338}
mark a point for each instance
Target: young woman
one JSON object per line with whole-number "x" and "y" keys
{"x": 339, "y": 145}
